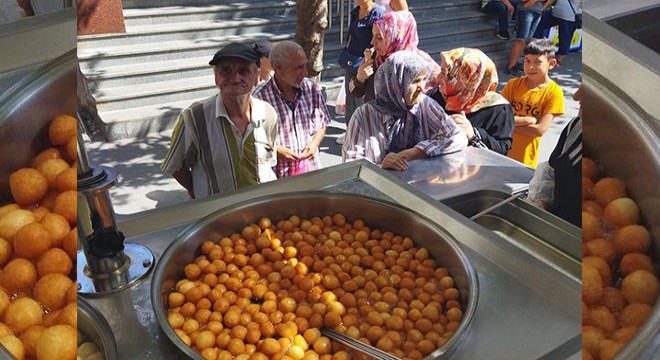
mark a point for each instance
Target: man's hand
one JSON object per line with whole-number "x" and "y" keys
{"x": 464, "y": 124}
{"x": 395, "y": 161}
{"x": 509, "y": 8}
{"x": 309, "y": 152}
{"x": 284, "y": 153}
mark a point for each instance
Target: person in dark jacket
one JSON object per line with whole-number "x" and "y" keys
{"x": 466, "y": 91}
{"x": 556, "y": 184}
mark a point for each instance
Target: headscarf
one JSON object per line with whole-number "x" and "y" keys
{"x": 399, "y": 30}
{"x": 391, "y": 83}
{"x": 470, "y": 80}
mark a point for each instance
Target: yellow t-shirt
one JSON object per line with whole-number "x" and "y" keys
{"x": 536, "y": 103}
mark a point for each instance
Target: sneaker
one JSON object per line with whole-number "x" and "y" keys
{"x": 504, "y": 35}
{"x": 513, "y": 72}
{"x": 340, "y": 139}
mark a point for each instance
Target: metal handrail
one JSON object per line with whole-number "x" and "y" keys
{"x": 341, "y": 8}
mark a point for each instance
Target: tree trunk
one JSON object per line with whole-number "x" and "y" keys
{"x": 311, "y": 22}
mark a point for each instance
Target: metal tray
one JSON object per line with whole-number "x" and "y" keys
{"x": 523, "y": 224}
{"x": 527, "y": 307}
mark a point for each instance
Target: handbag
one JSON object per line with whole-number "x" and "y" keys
{"x": 349, "y": 62}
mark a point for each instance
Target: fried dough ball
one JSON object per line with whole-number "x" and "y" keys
{"x": 608, "y": 189}
{"x": 609, "y": 348}
{"x": 66, "y": 205}
{"x": 4, "y": 302}
{"x": 635, "y": 314}
{"x": 67, "y": 180}
{"x": 29, "y": 339}
{"x": 69, "y": 315}
{"x": 632, "y": 239}
{"x": 32, "y": 240}
{"x": 592, "y": 208}
{"x": 51, "y": 168}
{"x": 602, "y": 248}
{"x": 587, "y": 186}
{"x": 6, "y": 250}
{"x": 54, "y": 261}
{"x": 640, "y": 287}
{"x": 601, "y": 265}
{"x": 592, "y": 285}
{"x": 23, "y": 313}
{"x": 70, "y": 243}
{"x": 51, "y": 290}
{"x": 14, "y": 346}
{"x": 18, "y": 274}
{"x": 50, "y": 153}
{"x": 62, "y": 129}
{"x": 13, "y": 221}
{"x": 602, "y": 318}
{"x": 592, "y": 338}
{"x": 622, "y": 212}
{"x": 28, "y": 186}
{"x": 58, "y": 342}
{"x": 58, "y": 226}
{"x": 591, "y": 228}
{"x": 72, "y": 149}
{"x": 635, "y": 261}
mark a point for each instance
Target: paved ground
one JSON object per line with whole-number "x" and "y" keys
{"x": 141, "y": 186}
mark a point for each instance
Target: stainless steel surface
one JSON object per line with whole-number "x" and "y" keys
{"x": 26, "y": 111}
{"x": 627, "y": 68}
{"x": 551, "y": 235}
{"x": 106, "y": 264}
{"x": 608, "y": 9}
{"x": 92, "y": 324}
{"x": 137, "y": 262}
{"x": 621, "y": 131}
{"x": 469, "y": 170}
{"x": 37, "y": 39}
{"x": 526, "y": 307}
{"x": 376, "y": 213}
{"x": 643, "y": 26}
{"x": 493, "y": 207}
{"x": 35, "y": 100}
{"x": 357, "y": 345}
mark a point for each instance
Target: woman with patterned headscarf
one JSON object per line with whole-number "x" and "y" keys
{"x": 394, "y": 31}
{"x": 466, "y": 91}
{"x": 401, "y": 123}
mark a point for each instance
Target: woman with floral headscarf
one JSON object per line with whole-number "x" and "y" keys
{"x": 466, "y": 91}
{"x": 401, "y": 123}
{"x": 394, "y": 31}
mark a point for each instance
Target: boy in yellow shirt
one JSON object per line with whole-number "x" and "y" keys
{"x": 536, "y": 100}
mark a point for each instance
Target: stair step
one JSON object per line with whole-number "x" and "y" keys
{"x": 153, "y": 93}
{"x": 100, "y": 58}
{"x": 195, "y": 31}
{"x": 176, "y": 14}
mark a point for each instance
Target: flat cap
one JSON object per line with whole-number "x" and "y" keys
{"x": 236, "y": 50}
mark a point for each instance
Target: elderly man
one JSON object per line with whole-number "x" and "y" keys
{"x": 227, "y": 141}
{"x": 303, "y": 115}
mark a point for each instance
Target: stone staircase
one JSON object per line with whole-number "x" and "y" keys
{"x": 143, "y": 78}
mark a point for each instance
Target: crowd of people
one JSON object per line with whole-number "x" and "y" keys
{"x": 268, "y": 118}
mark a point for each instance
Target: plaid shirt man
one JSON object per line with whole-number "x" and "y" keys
{"x": 298, "y": 120}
